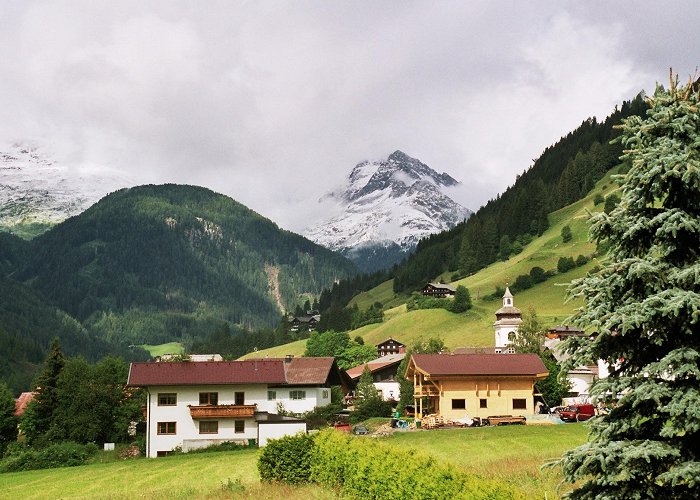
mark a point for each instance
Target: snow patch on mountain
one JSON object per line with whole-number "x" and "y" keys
{"x": 389, "y": 202}
{"x": 36, "y": 188}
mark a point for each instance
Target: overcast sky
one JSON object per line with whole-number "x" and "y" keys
{"x": 273, "y": 103}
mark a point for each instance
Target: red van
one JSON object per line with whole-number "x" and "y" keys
{"x": 577, "y": 413}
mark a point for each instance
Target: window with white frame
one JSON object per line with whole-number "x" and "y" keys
{"x": 297, "y": 394}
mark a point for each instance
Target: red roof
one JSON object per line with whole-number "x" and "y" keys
{"x": 479, "y": 364}
{"x": 259, "y": 371}
{"x": 308, "y": 370}
{"x": 298, "y": 371}
{"x": 356, "y": 371}
{"x": 22, "y": 401}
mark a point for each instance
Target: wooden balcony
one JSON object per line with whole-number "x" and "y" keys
{"x": 427, "y": 391}
{"x": 222, "y": 411}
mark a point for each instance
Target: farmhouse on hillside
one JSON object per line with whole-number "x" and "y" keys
{"x": 197, "y": 404}
{"x": 304, "y": 323}
{"x": 390, "y": 346}
{"x": 477, "y": 385}
{"x": 438, "y": 290}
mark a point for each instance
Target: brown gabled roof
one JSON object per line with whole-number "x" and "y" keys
{"x": 305, "y": 371}
{"x": 22, "y": 401}
{"x": 375, "y": 365}
{"x": 479, "y": 364}
{"x": 257, "y": 371}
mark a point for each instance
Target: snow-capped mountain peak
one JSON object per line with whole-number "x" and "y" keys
{"x": 392, "y": 202}
{"x": 35, "y": 188}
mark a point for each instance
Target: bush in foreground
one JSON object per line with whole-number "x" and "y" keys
{"x": 287, "y": 459}
{"x": 364, "y": 468}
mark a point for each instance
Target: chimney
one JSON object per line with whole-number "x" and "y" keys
{"x": 288, "y": 358}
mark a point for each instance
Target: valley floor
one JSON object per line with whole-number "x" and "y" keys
{"x": 510, "y": 454}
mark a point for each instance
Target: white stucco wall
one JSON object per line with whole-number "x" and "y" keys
{"x": 315, "y": 396}
{"x": 188, "y": 429}
{"x": 390, "y": 390}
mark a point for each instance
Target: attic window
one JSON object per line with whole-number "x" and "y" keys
{"x": 508, "y": 301}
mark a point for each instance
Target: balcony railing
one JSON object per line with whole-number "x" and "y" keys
{"x": 222, "y": 411}
{"x": 426, "y": 392}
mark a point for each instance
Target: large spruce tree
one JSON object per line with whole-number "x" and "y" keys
{"x": 645, "y": 305}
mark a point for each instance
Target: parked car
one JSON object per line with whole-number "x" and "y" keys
{"x": 577, "y": 413}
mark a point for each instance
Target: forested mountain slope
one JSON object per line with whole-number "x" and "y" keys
{"x": 158, "y": 263}
{"x": 564, "y": 173}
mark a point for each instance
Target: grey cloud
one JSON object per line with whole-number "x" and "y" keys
{"x": 273, "y": 103}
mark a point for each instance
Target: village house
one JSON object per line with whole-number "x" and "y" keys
{"x": 390, "y": 346}
{"x": 197, "y": 404}
{"x": 304, "y": 323}
{"x": 580, "y": 378}
{"x": 383, "y": 370}
{"x": 438, "y": 290}
{"x": 455, "y": 386}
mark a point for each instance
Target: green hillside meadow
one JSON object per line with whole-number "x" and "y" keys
{"x": 510, "y": 454}
{"x": 475, "y": 327}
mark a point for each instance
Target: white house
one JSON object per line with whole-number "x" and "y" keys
{"x": 197, "y": 404}
{"x": 383, "y": 371}
{"x": 508, "y": 319}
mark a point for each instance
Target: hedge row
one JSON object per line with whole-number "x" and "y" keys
{"x": 67, "y": 454}
{"x": 364, "y": 468}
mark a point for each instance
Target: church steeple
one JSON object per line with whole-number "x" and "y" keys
{"x": 507, "y": 298}
{"x": 508, "y": 319}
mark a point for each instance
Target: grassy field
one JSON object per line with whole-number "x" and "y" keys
{"x": 511, "y": 454}
{"x": 475, "y": 327}
{"x": 160, "y": 349}
{"x": 210, "y": 475}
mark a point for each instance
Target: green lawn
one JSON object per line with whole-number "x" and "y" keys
{"x": 169, "y": 348}
{"x": 512, "y": 454}
{"x": 184, "y": 476}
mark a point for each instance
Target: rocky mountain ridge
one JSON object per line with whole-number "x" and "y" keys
{"x": 388, "y": 205}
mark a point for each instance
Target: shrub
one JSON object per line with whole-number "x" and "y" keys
{"x": 598, "y": 199}
{"x": 522, "y": 282}
{"x": 363, "y": 468}
{"x": 611, "y": 202}
{"x": 420, "y": 301}
{"x": 374, "y": 407}
{"x": 565, "y": 264}
{"x": 581, "y": 260}
{"x": 287, "y": 459}
{"x": 537, "y": 275}
{"x": 321, "y": 416}
{"x": 66, "y": 454}
{"x": 225, "y": 446}
{"x": 566, "y": 234}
